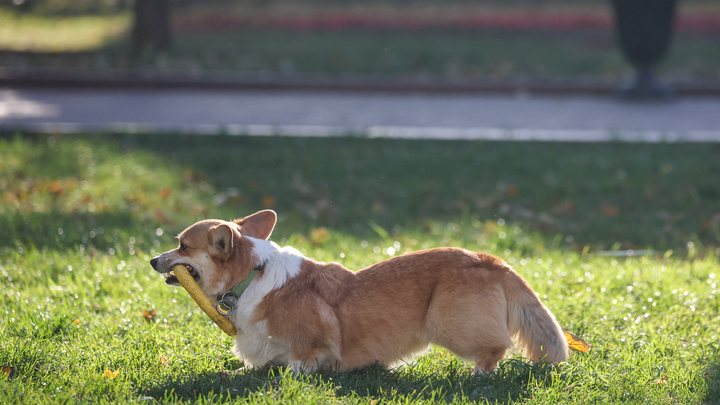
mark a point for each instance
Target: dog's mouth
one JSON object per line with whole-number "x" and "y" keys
{"x": 172, "y": 280}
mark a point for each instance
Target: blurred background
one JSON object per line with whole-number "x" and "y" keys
{"x": 453, "y": 40}
{"x": 605, "y": 195}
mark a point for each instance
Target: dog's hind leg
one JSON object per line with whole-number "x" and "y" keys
{"x": 313, "y": 360}
{"x": 487, "y": 360}
{"x": 471, "y": 325}
{"x": 303, "y": 366}
{"x": 315, "y": 341}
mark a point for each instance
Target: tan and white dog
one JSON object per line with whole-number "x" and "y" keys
{"x": 310, "y": 315}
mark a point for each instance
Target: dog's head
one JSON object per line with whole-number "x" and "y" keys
{"x": 218, "y": 254}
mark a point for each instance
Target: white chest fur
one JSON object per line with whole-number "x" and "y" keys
{"x": 253, "y": 343}
{"x": 257, "y": 348}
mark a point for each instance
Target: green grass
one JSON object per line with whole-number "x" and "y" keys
{"x": 448, "y": 53}
{"x": 82, "y": 215}
{"x": 39, "y": 33}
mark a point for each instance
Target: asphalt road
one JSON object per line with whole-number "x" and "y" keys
{"x": 401, "y": 115}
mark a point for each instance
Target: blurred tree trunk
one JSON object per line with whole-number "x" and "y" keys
{"x": 152, "y": 25}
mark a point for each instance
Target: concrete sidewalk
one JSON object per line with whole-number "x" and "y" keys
{"x": 394, "y": 115}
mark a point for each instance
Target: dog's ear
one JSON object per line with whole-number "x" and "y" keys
{"x": 258, "y": 225}
{"x": 220, "y": 239}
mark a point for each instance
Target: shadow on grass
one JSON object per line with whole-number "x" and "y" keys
{"x": 61, "y": 231}
{"x": 629, "y": 196}
{"x": 638, "y": 195}
{"x": 713, "y": 384}
{"x": 514, "y": 380}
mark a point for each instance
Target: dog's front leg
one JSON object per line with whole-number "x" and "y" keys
{"x": 304, "y": 366}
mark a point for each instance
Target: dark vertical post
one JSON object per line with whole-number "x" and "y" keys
{"x": 152, "y": 25}
{"x": 644, "y": 29}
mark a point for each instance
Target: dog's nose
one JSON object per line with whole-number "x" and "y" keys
{"x": 154, "y": 262}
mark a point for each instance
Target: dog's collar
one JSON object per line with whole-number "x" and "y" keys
{"x": 240, "y": 288}
{"x": 228, "y": 300}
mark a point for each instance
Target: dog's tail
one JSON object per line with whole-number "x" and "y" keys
{"x": 538, "y": 335}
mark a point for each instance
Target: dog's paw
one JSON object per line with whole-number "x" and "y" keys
{"x": 301, "y": 367}
{"x": 228, "y": 375}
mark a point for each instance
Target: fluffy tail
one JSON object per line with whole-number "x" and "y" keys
{"x": 538, "y": 335}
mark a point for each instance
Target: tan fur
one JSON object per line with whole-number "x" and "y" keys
{"x": 474, "y": 304}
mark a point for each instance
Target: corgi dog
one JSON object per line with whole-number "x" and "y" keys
{"x": 294, "y": 311}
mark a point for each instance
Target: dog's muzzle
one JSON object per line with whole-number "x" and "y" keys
{"x": 170, "y": 276}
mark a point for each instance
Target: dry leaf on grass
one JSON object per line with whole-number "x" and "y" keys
{"x": 149, "y": 315}
{"x": 661, "y": 381}
{"x": 268, "y": 201}
{"x": 318, "y": 236}
{"x": 165, "y": 192}
{"x": 6, "y": 371}
{"x": 109, "y": 374}
{"x": 576, "y": 343}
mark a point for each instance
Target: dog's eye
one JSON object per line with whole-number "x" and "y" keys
{"x": 183, "y": 247}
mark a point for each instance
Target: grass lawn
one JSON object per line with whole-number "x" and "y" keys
{"x": 41, "y": 33}
{"x": 86, "y": 320}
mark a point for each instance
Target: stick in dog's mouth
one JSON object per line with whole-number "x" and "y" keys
{"x": 172, "y": 280}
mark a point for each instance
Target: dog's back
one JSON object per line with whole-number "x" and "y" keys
{"x": 471, "y": 303}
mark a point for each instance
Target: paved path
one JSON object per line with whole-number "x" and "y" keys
{"x": 366, "y": 114}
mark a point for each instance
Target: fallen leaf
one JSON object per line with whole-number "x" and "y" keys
{"x": 56, "y": 188}
{"x": 319, "y": 236}
{"x": 268, "y": 201}
{"x": 6, "y": 371}
{"x": 149, "y": 315}
{"x": 661, "y": 381}
{"x": 610, "y": 211}
{"x": 165, "y": 192}
{"x": 110, "y": 375}
{"x": 576, "y": 343}
{"x": 165, "y": 361}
